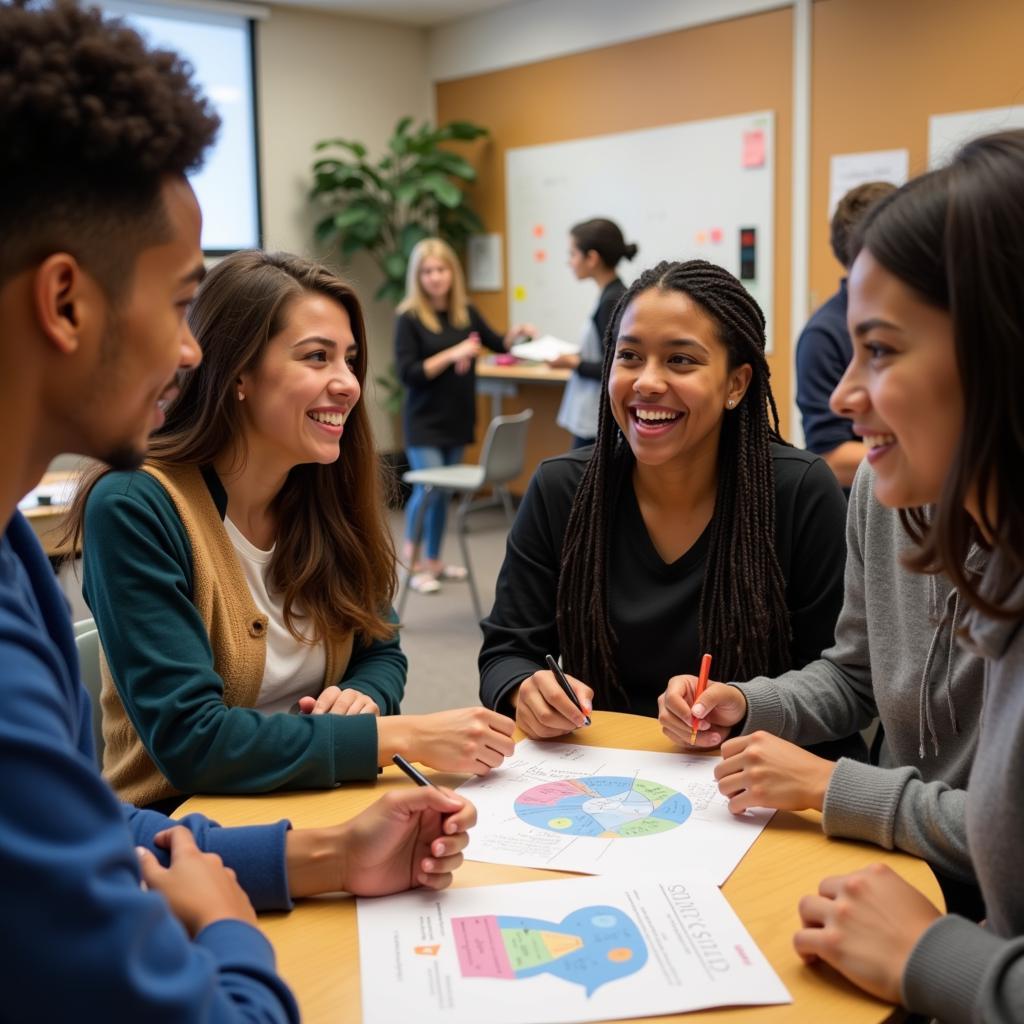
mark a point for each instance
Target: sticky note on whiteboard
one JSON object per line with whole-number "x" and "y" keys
{"x": 754, "y": 149}
{"x": 519, "y": 293}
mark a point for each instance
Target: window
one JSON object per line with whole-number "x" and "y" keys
{"x": 219, "y": 46}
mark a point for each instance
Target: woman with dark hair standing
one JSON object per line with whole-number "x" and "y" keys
{"x": 595, "y": 249}
{"x": 689, "y": 527}
{"x": 247, "y": 570}
{"x": 937, "y": 317}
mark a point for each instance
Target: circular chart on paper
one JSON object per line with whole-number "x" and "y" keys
{"x": 604, "y": 807}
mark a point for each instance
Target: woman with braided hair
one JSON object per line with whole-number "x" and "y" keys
{"x": 688, "y": 526}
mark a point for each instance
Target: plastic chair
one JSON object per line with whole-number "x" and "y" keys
{"x": 88, "y": 642}
{"x": 84, "y": 626}
{"x": 501, "y": 460}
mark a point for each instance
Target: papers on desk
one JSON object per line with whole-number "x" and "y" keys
{"x": 545, "y": 348}
{"x": 61, "y": 492}
{"x": 560, "y": 951}
{"x": 599, "y": 810}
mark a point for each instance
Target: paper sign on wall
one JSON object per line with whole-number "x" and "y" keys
{"x": 848, "y": 170}
{"x": 754, "y": 149}
{"x": 483, "y": 263}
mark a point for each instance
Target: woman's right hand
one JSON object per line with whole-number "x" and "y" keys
{"x": 464, "y": 740}
{"x": 720, "y": 707}
{"x": 198, "y": 887}
{"x": 462, "y": 354}
{"x": 544, "y": 711}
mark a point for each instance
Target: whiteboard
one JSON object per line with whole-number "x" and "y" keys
{"x": 680, "y": 192}
{"x": 948, "y": 132}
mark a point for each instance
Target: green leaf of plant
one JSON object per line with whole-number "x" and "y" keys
{"x": 352, "y": 215}
{"x": 325, "y": 229}
{"x": 356, "y": 148}
{"x": 409, "y": 236}
{"x": 447, "y": 193}
{"x": 464, "y": 130}
{"x": 390, "y": 292}
{"x": 394, "y": 266}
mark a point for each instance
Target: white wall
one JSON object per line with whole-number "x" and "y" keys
{"x": 322, "y": 76}
{"x": 534, "y": 30}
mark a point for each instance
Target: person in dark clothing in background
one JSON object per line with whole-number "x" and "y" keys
{"x": 596, "y": 247}
{"x": 823, "y": 350}
{"x": 438, "y": 336}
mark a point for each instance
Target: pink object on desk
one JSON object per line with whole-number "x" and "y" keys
{"x": 505, "y": 360}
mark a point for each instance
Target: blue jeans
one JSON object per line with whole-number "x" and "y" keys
{"x": 426, "y": 457}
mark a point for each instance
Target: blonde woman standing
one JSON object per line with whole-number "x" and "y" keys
{"x": 438, "y": 336}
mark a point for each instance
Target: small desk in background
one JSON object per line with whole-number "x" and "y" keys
{"x": 47, "y": 518}
{"x": 317, "y": 943}
{"x": 508, "y": 389}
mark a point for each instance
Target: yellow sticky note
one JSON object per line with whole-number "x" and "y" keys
{"x": 519, "y": 293}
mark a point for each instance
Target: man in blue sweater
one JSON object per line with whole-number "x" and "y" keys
{"x": 112, "y": 913}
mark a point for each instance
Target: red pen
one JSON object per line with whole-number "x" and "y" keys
{"x": 702, "y": 682}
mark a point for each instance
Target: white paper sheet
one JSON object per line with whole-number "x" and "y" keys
{"x": 848, "y": 170}
{"x": 557, "y": 952}
{"x": 597, "y": 810}
{"x": 546, "y": 347}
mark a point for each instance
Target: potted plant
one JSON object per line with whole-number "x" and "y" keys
{"x": 385, "y": 207}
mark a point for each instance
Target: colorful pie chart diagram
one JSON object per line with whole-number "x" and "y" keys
{"x": 603, "y": 807}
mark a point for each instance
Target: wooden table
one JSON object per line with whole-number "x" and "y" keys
{"x": 317, "y": 945}
{"x": 48, "y": 520}
{"x": 510, "y": 389}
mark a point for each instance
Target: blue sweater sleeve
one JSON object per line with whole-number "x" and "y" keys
{"x": 137, "y": 580}
{"x": 85, "y": 942}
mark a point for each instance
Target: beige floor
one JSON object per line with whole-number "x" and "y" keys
{"x": 440, "y": 635}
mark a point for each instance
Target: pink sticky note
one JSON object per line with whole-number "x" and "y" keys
{"x": 702, "y": 237}
{"x": 716, "y": 235}
{"x": 538, "y": 231}
{"x": 753, "y": 149}
{"x": 540, "y": 255}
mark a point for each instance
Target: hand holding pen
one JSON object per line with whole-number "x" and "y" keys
{"x": 549, "y": 703}
{"x": 703, "y": 720}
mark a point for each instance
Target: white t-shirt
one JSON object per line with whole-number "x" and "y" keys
{"x": 293, "y": 669}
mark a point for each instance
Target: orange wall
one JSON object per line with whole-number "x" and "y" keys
{"x": 881, "y": 68}
{"x": 712, "y": 71}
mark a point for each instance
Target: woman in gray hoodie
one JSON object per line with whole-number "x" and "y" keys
{"x": 937, "y": 316}
{"x": 923, "y": 689}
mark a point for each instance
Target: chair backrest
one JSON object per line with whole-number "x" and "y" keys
{"x": 504, "y": 451}
{"x": 84, "y": 626}
{"x": 89, "y": 666}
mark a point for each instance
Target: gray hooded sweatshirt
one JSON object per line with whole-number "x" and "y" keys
{"x": 894, "y": 657}
{"x": 959, "y": 971}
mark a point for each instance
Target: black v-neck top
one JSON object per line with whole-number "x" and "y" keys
{"x": 653, "y": 604}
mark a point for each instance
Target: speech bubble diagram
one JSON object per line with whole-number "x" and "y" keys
{"x": 590, "y": 947}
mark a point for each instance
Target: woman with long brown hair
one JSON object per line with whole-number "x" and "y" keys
{"x": 247, "y": 570}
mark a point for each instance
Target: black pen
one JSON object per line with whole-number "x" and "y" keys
{"x": 566, "y": 688}
{"x": 417, "y": 776}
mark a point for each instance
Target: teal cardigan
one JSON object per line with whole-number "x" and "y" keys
{"x": 138, "y": 583}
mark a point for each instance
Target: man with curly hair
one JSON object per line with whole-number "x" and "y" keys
{"x": 114, "y": 913}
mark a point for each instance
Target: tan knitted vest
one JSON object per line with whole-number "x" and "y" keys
{"x": 236, "y": 628}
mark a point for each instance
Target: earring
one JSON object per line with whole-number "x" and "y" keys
{"x": 241, "y": 396}
{"x": 730, "y": 403}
